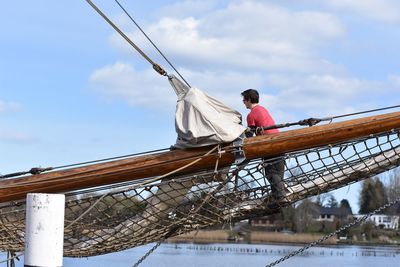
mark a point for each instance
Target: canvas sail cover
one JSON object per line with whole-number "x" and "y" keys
{"x": 202, "y": 120}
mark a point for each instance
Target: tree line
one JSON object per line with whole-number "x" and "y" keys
{"x": 375, "y": 192}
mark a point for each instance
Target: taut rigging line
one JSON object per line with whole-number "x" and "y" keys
{"x": 154, "y": 45}
{"x": 155, "y": 66}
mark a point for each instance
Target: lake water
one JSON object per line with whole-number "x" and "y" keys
{"x": 232, "y": 255}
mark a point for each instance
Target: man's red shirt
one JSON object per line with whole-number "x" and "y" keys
{"x": 260, "y": 117}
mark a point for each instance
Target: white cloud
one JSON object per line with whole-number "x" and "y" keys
{"x": 192, "y": 7}
{"x": 248, "y": 44}
{"x": 146, "y": 89}
{"x": 231, "y": 47}
{"x": 138, "y": 88}
{"x": 9, "y": 106}
{"x": 244, "y": 35}
{"x": 321, "y": 95}
{"x": 326, "y": 95}
{"x": 309, "y": 95}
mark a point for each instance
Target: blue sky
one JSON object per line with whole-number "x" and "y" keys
{"x": 72, "y": 90}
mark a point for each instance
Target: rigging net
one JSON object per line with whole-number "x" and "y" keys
{"x": 105, "y": 219}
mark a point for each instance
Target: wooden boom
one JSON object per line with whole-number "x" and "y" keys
{"x": 161, "y": 163}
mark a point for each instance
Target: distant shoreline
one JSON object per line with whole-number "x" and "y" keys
{"x": 255, "y": 237}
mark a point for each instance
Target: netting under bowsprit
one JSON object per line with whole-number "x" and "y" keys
{"x": 111, "y": 219}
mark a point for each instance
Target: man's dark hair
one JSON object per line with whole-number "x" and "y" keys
{"x": 251, "y": 95}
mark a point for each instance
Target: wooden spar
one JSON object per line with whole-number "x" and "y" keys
{"x": 161, "y": 163}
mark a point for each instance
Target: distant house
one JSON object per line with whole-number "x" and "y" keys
{"x": 382, "y": 220}
{"x": 332, "y": 214}
{"x": 268, "y": 223}
{"x": 265, "y": 221}
{"x": 318, "y": 213}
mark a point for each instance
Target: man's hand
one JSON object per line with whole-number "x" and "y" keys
{"x": 249, "y": 132}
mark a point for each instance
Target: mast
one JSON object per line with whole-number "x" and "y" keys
{"x": 161, "y": 163}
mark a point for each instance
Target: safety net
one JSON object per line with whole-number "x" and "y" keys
{"x": 117, "y": 217}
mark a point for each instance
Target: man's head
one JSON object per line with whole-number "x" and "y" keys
{"x": 250, "y": 98}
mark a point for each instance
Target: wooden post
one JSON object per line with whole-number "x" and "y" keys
{"x": 44, "y": 235}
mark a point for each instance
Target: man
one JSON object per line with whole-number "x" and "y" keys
{"x": 260, "y": 117}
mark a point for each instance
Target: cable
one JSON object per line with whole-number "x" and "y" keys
{"x": 33, "y": 171}
{"x": 156, "y": 67}
{"x": 309, "y": 122}
{"x": 112, "y": 158}
{"x": 338, "y": 231}
{"x": 38, "y": 170}
{"x": 313, "y": 121}
{"x": 148, "y": 38}
{"x": 363, "y": 112}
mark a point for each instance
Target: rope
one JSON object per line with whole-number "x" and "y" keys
{"x": 10, "y": 261}
{"x": 156, "y": 67}
{"x": 322, "y": 239}
{"x": 227, "y": 150}
{"x": 148, "y": 253}
{"x": 112, "y": 158}
{"x": 142, "y": 184}
{"x": 366, "y": 111}
{"x": 187, "y": 165}
{"x": 102, "y": 197}
{"x": 176, "y": 228}
{"x": 306, "y": 122}
{"x": 194, "y": 211}
{"x": 148, "y": 38}
{"x": 38, "y": 170}
{"x": 291, "y": 137}
{"x": 313, "y": 121}
{"x": 127, "y": 218}
{"x": 33, "y": 171}
{"x": 86, "y": 211}
{"x": 71, "y": 177}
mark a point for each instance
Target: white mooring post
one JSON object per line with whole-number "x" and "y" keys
{"x": 44, "y": 234}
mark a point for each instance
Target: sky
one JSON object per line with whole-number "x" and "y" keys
{"x": 72, "y": 90}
